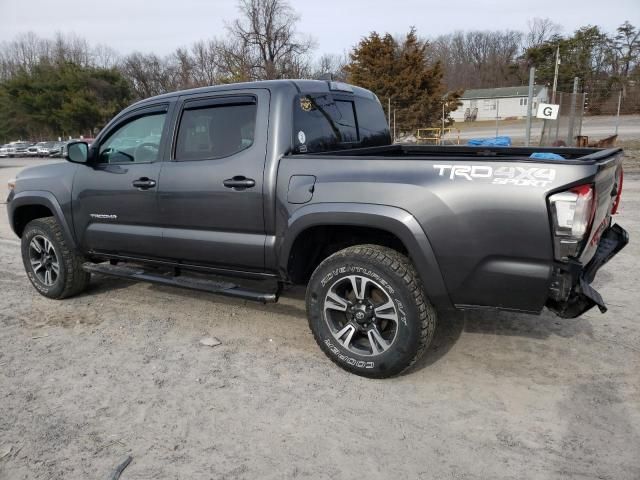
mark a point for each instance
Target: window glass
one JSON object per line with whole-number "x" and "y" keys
{"x": 322, "y": 123}
{"x": 372, "y": 123}
{"x": 346, "y": 121}
{"x": 137, "y": 141}
{"x": 216, "y": 131}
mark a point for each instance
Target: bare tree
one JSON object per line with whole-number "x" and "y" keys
{"x": 70, "y": 48}
{"x": 148, "y": 74}
{"x": 478, "y": 59}
{"x": 331, "y": 66}
{"x": 29, "y": 50}
{"x": 23, "y": 53}
{"x": 104, "y": 56}
{"x": 627, "y": 47}
{"x": 541, "y": 30}
{"x": 208, "y": 62}
{"x": 265, "y": 41}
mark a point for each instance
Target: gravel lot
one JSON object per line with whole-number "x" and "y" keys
{"x": 119, "y": 370}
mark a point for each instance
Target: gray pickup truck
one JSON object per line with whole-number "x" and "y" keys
{"x": 244, "y": 189}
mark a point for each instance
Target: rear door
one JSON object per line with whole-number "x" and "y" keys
{"x": 211, "y": 192}
{"x": 115, "y": 208}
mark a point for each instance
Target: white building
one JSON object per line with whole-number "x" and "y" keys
{"x": 504, "y": 103}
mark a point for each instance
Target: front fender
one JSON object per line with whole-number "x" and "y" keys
{"x": 394, "y": 220}
{"x": 41, "y": 198}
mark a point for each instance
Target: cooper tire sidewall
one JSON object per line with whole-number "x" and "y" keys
{"x": 406, "y": 343}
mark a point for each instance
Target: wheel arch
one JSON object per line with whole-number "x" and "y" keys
{"x": 390, "y": 226}
{"x": 30, "y": 205}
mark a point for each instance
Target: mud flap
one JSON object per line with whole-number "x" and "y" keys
{"x": 583, "y": 296}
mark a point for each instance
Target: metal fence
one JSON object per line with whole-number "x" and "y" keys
{"x": 567, "y": 128}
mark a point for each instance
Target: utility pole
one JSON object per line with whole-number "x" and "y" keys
{"x": 618, "y": 113}
{"x": 532, "y": 76}
{"x": 394, "y": 125}
{"x": 552, "y": 100}
{"x": 442, "y": 133}
{"x": 555, "y": 76}
{"x": 572, "y": 115}
{"x": 497, "y": 114}
{"x": 389, "y": 111}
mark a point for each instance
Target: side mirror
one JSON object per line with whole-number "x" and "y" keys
{"x": 77, "y": 152}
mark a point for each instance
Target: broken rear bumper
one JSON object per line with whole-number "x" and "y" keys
{"x": 571, "y": 293}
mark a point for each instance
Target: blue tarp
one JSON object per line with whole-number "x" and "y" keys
{"x": 546, "y": 156}
{"x": 490, "y": 142}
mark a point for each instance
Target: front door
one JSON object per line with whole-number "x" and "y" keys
{"x": 115, "y": 207}
{"x": 211, "y": 197}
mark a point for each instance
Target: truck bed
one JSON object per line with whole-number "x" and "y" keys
{"x": 571, "y": 156}
{"x": 489, "y": 225}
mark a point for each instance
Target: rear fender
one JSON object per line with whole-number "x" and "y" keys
{"x": 390, "y": 219}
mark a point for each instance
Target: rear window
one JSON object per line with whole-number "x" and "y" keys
{"x": 324, "y": 122}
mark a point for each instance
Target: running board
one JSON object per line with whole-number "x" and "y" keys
{"x": 202, "y": 284}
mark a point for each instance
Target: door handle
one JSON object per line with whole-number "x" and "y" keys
{"x": 144, "y": 183}
{"x": 239, "y": 182}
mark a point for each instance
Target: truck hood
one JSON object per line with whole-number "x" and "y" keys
{"x": 48, "y": 177}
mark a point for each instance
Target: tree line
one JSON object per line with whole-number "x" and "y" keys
{"x": 66, "y": 86}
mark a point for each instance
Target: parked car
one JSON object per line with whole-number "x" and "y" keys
{"x": 18, "y": 149}
{"x": 56, "y": 149}
{"x": 44, "y": 148}
{"x": 4, "y": 151}
{"x": 32, "y": 150}
{"x": 298, "y": 182}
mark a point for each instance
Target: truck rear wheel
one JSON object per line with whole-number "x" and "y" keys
{"x": 368, "y": 311}
{"x": 52, "y": 266}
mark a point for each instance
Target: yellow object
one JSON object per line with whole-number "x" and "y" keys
{"x": 436, "y": 135}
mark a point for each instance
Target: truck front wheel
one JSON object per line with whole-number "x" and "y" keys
{"x": 368, "y": 311}
{"x": 52, "y": 266}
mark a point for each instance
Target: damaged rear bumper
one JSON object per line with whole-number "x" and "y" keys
{"x": 571, "y": 290}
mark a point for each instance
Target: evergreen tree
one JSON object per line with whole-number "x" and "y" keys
{"x": 60, "y": 99}
{"x": 402, "y": 72}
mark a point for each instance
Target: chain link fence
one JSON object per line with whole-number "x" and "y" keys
{"x": 566, "y": 129}
{"x": 602, "y": 114}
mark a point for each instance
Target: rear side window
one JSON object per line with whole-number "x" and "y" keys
{"x": 374, "y": 130}
{"x": 215, "y": 131}
{"x": 323, "y": 123}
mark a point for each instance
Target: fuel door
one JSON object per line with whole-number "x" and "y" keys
{"x": 301, "y": 188}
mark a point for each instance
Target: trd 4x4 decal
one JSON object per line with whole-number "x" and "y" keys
{"x": 519, "y": 176}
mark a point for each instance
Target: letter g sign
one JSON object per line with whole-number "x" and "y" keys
{"x": 547, "y": 111}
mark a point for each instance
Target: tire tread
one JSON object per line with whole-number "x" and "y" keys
{"x": 403, "y": 268}
{"x": 75, "y": 279}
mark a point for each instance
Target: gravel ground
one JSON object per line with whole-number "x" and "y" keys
{"x": 119, "y": 370}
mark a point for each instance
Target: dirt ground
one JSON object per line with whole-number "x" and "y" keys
{"x": 120, "y": 371}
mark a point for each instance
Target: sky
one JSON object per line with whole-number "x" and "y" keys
{"x": 160, "y": 26}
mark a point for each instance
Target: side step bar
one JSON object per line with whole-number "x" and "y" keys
{"x": 193, "y": 283}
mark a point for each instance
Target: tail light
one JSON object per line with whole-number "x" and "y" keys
{"x": 618, "y": 191}
{"x": 572, "y": 214}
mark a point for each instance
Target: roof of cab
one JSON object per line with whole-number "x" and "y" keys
{"x": 307, "y": 86}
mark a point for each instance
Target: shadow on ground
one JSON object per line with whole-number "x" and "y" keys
{"x": 450, "y": 324}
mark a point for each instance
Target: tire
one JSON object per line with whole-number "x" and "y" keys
{"x": 368, "y": 311}
{"x": 63, "y": 281}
